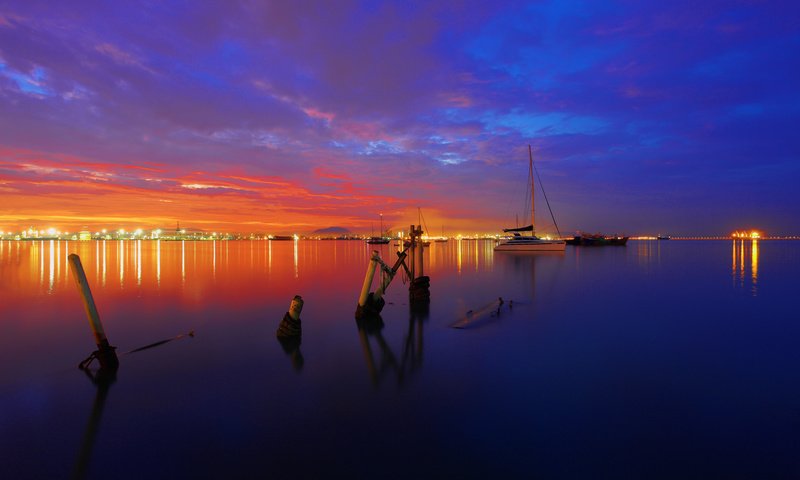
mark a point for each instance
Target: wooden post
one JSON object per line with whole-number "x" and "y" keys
{"x": 420, "y": 269}
{"x": 389, "y": 276}
{"x": 291, "y": 325}
{"x": 373, "y": 264}
{"x": 296, "y": 307}
{"x": 105, "y": 352}
{"x": 412, "y": 237}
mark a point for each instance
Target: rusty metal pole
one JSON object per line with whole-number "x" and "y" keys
{"x": 105, "y": 352}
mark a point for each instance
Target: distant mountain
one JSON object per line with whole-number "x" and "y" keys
{"x": 331, "y": 230}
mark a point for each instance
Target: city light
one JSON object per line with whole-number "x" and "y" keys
{"x": 753, "y": 234}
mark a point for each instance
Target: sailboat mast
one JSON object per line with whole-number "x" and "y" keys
{"x": 533, "y": 193}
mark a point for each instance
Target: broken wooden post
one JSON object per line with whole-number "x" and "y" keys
{"x": 291, "y": 325}
{"x": 373, "y": 264}
{"x": 419, "y": 288}
{"x": 364, "y": 300}
{"x": 105, "y": 353}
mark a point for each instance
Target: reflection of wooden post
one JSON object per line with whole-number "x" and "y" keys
{"x": 105, "y": 352}
{"x": 103, "y": 381}
{"x": 373, "y": 264}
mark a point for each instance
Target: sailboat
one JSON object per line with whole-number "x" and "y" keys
{"x": 441, "y": 239}
{"x": 380, "y": 239}
{"x": 532, "y": 243}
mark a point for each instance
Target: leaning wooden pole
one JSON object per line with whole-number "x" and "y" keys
{"x": 373, "y": 264}
{"x": 105, "y": 354}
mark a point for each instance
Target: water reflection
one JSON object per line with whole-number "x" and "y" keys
{"x": 295, "y": 259}
{"x": 386, "y": 364}
{"x": 52, "y": 267}
{"x": 158, "y": 262}
{"x": 102, "y": 379}
{"x": 740, "y": 249}
{"x": 647, "y": 251}
{"x": 183, "y": 262}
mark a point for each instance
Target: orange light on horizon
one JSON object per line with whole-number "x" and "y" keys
{"x": 752, "y": 234}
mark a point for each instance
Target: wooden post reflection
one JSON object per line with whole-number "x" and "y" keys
{"x": 103, "y": 380}
{"x": 412, "y": 347}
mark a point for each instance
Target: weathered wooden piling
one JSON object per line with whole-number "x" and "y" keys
{"x": 105, "y": 353}
{"x": 291, "y": 325}
{"x": 373, "y": 264}
{"x": 419, "y": 287}
{"x": 366, "y": 304}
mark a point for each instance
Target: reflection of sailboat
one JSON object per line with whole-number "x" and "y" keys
{"x": 532, "y": 243}
{"x": 381, "y": 239}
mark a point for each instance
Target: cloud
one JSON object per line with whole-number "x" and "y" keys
{"x": 230, "y": 111}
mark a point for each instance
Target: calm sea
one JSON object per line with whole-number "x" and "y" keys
{"x": 662, "y": 359}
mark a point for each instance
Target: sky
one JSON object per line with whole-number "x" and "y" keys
{"x": 282, "y": 117}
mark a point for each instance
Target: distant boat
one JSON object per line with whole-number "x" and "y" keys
{"x": 597, "y": 240}
{"x": 381, "y": 240}
{"x": 663, "y": 237}
{"x": 441, "y": 239}
{"x": 282, "y": 237}
{"x": 532, "y": 243}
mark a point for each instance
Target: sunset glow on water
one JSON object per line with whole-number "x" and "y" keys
{"x": 603, "y": 351}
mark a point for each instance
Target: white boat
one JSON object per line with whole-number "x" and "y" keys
{"x": 518, "y": 243}
{"x": 531, "y": 243}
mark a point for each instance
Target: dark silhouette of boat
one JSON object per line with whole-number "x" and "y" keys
{"x": 663, "y": 237}
{"x": 381, "y": 240}
{"x": 377, "y": 240}
{"x": 597, "y": 240}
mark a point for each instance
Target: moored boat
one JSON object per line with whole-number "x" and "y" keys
{"x": 519, "y": 243}
{"x": 597, "y": 240}
{"x": 380, "y": 240}
{"x": 532, "y": 243}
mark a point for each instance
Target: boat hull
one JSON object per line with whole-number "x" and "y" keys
{"x": 597, "y": 241}
{"x": 529, "y": 246}
{"x": 377, "y": 241}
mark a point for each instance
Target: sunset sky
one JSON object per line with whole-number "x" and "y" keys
{"x": 645, "y": 117}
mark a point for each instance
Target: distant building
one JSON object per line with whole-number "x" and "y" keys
{"x": 84, "y": 235}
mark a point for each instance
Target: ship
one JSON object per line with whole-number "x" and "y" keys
{"x": 597, "y": 240}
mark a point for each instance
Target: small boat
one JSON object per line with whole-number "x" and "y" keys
{"x": 283, "y": 238}
{"x": 663, "y": 237}
{"x": 441, "y": 239}
{"x": 597, "y": 240}
{"x": 379, "y": 240}
{"x": 532, "y": 243}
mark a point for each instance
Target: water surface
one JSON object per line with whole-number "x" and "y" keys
{"x": 671, "y": 359}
